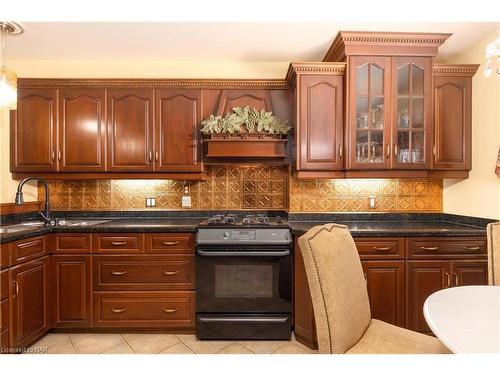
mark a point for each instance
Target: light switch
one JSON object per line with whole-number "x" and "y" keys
{"x": 150, "y": 202}
{"x": 372, "y": 202}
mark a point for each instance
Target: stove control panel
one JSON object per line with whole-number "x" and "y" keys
{"x": 220, "y": 236}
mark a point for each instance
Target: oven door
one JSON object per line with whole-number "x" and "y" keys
{"x": 244, "y": 280}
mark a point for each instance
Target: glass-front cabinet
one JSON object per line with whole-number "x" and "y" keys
{"x": 390, "y": 105}
{"x": 412, "y": 84}
{"x": 370, "y": 124}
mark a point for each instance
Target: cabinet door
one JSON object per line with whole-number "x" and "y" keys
{"x": 30, "y": 317}
{"x": 33, "y": 131}
{"x": 424, "y": 277}
{"x": 71, "y": 290}
{"x": 369, "y": 116}
{"x": 82, "y": 130}
{"x": 130, "y": 130}
{"x": 386, "y": 290}
{"x": 469, "y": 272}
{"x": 412, "y": 112}
{"x": 320, "y": 123}
{"x": 452, "y": 123}
{"x": 177, "y": 140}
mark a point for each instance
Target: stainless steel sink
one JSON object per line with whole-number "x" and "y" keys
{"x": 12, "y": 229}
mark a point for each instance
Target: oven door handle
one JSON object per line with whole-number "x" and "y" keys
{"x": 242, "y": 253}
{"x": 245, "y": 319}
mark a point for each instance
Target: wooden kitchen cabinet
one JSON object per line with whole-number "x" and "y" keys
{"x": 30, "y": 299}
{"x": 453, "y": 116}
{"x": 177, "y": 134}
{"x": 130, "y": 130}
{"x": 319, "y": 118}
{"x": 33, "y": 131}
{"x": 82, "y": 130}
{"x": 469, "y": 272}
{"x": 385, "y": 281}
{"x": 71, "y": 291}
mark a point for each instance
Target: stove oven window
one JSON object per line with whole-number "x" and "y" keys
{"x": 246, "y": 281}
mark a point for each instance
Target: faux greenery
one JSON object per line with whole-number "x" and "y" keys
{"x": 251, "y": 119}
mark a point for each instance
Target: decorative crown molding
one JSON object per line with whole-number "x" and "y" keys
{"x": 466, "y": 70}
{"x": 397, "y": 43}
{"x": 336, "y": 68}
{"x": 154, "y": 83}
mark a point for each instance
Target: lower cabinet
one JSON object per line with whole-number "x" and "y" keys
{"x": 385, "y": 281}
{"x": 30, "y": 296}
{"x": 71, "y": 291}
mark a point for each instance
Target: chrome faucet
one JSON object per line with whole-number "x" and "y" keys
{"x": 20, "y": 199}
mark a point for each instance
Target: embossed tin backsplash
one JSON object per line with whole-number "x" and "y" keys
{"x": 252, "y": 188}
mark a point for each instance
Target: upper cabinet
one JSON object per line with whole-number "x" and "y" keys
{"x": 82, "y": 130}
{"x": 318, "y": 118}
{"x": 452, "y": 116}
{"x": 33, "y": 131}
{"x": 178, "y": 117}
{"x": 130, "y": 130}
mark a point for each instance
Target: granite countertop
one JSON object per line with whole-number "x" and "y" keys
{"x": 396, "y": 228}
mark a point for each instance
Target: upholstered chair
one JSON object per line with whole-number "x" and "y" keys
{"x": 493, "y": 234}
{"x": 340, "y": 300}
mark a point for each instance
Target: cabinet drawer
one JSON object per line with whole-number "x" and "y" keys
{"x": 119, "y": 243}
{"x": 386, "y": 248}
{"x": 73, "y": 243}
{"x": 167, "y": 272}
{"x": 4, "y": 284}
{"x": 164, "y": 243}
{"x": 29, "y": 248}
{"x": 423, "y": 247}
{"x": 5, "y": 255}
{"x": 144, "y": 309}
{"x": 4, "y": 314}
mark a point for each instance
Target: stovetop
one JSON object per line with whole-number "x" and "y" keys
{"x": 247, "y": 221}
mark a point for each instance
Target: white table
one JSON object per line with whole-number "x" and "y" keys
{"x": 466, "y": 319}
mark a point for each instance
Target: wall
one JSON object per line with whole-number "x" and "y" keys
{"x": 479, "y": 195}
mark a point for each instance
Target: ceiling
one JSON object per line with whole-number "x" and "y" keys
{"x": 210, "y": 41}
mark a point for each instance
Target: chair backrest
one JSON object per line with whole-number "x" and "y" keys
{"x": 338, "y": 287}
{"x": 493, "y": 234}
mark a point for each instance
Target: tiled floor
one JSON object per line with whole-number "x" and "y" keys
{"x": 147, "y": 343}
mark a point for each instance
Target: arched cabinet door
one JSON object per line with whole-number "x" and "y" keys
{"x": 82, "y": 130}
{"x": 321, "y": 120}
{"x": 177, "y": 134}
{"x": 130, "y": 130}
{"x": 33, "y": 131}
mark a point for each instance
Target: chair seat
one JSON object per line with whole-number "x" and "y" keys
{"x": 384, "y": 338}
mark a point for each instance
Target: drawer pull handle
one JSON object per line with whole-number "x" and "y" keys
{"x": 471, "y": 248}
{"x": 16, "y": 288}
{"x": 448, "y": 279}
{"x": 170, "y": 311}
{"x": 118, "y": 273}
{"x": 118, "y": 311}
{"x": 170, "y": 273}
{"x": 433, "y": 248}
{"x": 455, "y": 275}
{"x": 376, "y": 248}
{"x": 118, "y": 243}
{"x": 170, "y": 243}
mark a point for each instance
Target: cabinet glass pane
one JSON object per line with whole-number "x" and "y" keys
{"x": 361, "y": 113}
{"x": 417, "y": 113}
{"x": 404, "y": 80}
{"x": 369, "y": 146}
{"x": 377, "y": 113}
{"x": 417, "y": 147}
{"x": 362, "y": 80}
{"x": 403, "y": 146}
{"x": 376, "y": 80}
{"x": 403, "y": 113}
{"x": 417, "y": 80}
{"x": 376, "y": 147}
{"x": 362, "y": 146}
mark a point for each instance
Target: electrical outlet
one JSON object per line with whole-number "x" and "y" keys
{"x": 150, "y": 202}
{"x": 372, "y": 202}
{"x": 186, "y": 201}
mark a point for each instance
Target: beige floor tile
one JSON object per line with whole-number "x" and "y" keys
{"x": 263, "y": 347}
{"x": 75, "y": 337}
{"x": 120, "y": 349}
{"x": 129, "y": 336}
{"x": 294, "y": 348}
{"x": 146, "y": 343}
{"x": 96, "y": 343}
{"x": 178, "y": 348}
{"x": 203, "y": 346}
{"x": 52, "y": 339}
{"x": 67, "y": 348}
{"x": 235, "y": 348}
